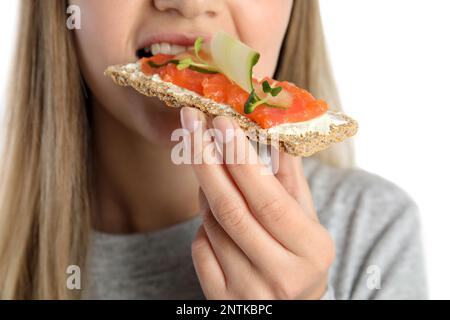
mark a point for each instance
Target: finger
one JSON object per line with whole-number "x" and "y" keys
{"x": 306, "y": 199}
{"x": 235, "y": 257}
{"x": 289, "y": 171}
{"x": 203, "y": 202}
{"x": 233, "y": 260}
{"x": 209, "y": 272}
{"x": 197, "y": 138}
{"x": 235, "y": 264}
{"x": 268, "y": 200}
{"x": 230, "y": 208}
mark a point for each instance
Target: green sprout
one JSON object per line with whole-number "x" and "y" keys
{"x": 254, "y": 101}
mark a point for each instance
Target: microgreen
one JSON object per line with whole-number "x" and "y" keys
{"x": 201, "y": 66}
{"x": 204, "y": 65}
{"x": 157, "y": 65}
{"x": 184, "y": 64}
{"x": 268, "y": 89}
{"x": 198, "y": 46}
{"x": 276, "y": 91}
{"x": 202, "y": 70}
{"x": 254, "y": 101}
{"x": 251, "y": 102}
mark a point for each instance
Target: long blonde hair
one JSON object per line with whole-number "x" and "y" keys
{"x": 44, "y": 197}
{"x": 44, "y": 216}
{"x": 304, "y": 61}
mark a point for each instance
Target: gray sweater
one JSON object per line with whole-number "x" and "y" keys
{"x": 374, "y": 225}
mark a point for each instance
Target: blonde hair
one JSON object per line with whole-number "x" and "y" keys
{"x": 44, "y": 196}
{"x": 44, "y": 216}
{"x": 304, "y": 61}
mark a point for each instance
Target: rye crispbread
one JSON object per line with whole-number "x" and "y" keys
{"x": 296, "y": 145}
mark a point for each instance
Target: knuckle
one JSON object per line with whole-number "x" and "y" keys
{"x": 198, "y": 246}
{"x": 285, "y": 281}
{"x": 204, "y": 207}
{"x": 274, "y": 209}
{"x": 231, "y": 214}
{"x": 210, "y": 222}
{"x": 325, "y": 255}
{"x": 286, "y": 290}
{"x": 329, "y": 254}
{"x": 292, "y": 187}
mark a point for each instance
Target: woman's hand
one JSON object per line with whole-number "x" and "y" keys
{"x": 260, "y": 237}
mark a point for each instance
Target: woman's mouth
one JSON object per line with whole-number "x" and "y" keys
{"x": 171, "y": 44}
{"x": 163, "y": 48}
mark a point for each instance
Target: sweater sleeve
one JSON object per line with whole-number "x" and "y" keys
{"x": 377, "y": 234}
{"x": 392, "y": 267}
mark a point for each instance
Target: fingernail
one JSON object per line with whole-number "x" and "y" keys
{"x": 226, "y": 128}
{"x": 190, "y": 119}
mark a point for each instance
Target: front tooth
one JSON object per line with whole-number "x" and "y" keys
{"x": 156, "y": 49}
{"x": 176, "y": 49}
{"x": 165, "y": 48}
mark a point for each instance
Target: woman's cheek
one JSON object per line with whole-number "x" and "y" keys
{"x": 104, "y": 39}
{"x": 262, "y": 24}
{"x": 101, "y": 36}
{"x": 94, "y": 57}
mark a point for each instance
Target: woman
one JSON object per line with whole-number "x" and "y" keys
{"x": 88, "y": 180}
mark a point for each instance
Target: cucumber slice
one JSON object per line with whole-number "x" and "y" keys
{"x": 234, "y": 59}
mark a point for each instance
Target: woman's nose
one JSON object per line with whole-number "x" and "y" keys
{"x": 188, "y": 8}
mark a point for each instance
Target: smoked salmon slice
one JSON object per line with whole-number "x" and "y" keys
{"x": 300, "y": 105}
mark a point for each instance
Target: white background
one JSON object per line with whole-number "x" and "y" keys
{"x": 392, "y": 64}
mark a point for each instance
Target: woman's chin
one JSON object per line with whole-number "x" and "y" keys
{"x": 161, "y": 124}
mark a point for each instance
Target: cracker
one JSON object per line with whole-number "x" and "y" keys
{"x": 296, "y": 145}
